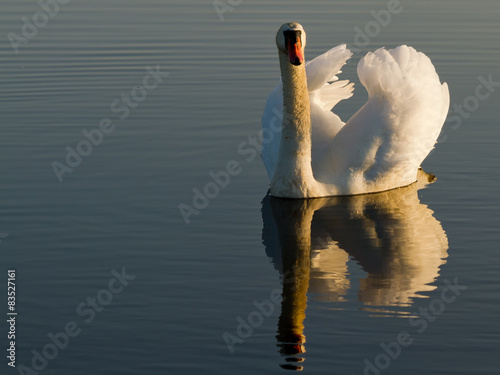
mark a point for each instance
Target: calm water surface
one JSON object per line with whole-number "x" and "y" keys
{"x": 358, "y": 274}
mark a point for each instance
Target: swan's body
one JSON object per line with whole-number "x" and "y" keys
{"x": 314, "y": 154}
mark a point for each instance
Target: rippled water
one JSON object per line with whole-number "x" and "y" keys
{"x": 371, "y": 284}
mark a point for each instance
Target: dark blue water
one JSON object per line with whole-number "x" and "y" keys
{"x": 161, "y": 96}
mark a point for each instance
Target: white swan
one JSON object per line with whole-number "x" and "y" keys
{"x": 312, "y": 153}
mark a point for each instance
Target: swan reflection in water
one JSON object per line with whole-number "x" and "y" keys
{"x": 391, "y": 236}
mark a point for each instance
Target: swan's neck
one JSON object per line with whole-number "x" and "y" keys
{"x": 293, "y": 176}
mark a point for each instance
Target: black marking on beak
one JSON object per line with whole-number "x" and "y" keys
{"x": 292, "y": 36}
{"x": 293, "y": 45}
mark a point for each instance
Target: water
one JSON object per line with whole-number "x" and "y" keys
{"x": 372, "y": 272}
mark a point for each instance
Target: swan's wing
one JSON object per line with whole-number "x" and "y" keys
{"x": 388, "y": 138}
{"x": 325, "y": 91}
{"x": 324, "y": 68}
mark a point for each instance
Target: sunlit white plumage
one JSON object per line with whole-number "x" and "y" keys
{"x": 309, "y": 152}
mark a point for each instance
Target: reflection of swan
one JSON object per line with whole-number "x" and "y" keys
{"x": 381, "y": 147}
{"x": 391, "y": 236}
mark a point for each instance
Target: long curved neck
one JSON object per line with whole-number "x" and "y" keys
{"x": 293, "y": 174}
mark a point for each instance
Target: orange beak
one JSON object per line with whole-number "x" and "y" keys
{"x": 294, "y": 48}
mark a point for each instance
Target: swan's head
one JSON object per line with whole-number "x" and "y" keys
{"x": 291, "y": 39}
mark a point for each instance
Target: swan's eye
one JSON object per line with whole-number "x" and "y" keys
{"x": 294, "y": 46}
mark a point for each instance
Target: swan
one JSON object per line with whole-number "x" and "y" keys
{"x": 312, "y": 153}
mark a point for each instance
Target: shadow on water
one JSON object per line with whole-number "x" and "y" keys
{"x": 391, "y": 236}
